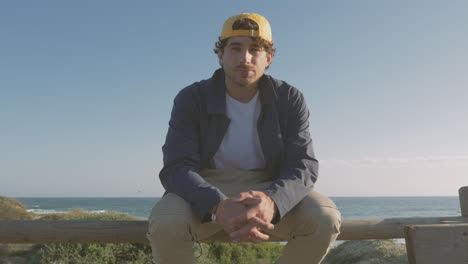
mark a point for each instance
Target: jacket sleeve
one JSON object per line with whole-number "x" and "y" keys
{"x": 181, "y": 171}
{"x": 299, "y": 169}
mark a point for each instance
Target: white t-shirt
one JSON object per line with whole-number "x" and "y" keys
{"x": 240, "y": 148}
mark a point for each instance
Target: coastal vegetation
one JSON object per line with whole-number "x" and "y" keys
{"x": 13, "y": 209}
{"x": 350, "y": 252}
{"x": 368, "y": 252}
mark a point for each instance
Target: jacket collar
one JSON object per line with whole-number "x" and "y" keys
{"x": 216, "y": 104}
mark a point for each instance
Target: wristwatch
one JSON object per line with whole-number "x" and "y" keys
{"x": 213, "y": 217}
{"x": 213, "y": 214}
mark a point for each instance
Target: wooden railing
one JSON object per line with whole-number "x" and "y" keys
{"x": 65, "y": 231}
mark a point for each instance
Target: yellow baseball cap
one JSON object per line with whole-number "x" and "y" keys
{"x": 264, "y": 29}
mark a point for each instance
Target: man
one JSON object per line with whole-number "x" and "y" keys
{"x": 238, "y": 159}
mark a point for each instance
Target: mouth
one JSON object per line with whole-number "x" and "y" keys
{"x": 245, "y": 71}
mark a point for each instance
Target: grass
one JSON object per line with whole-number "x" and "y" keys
{"x": 95, "y": 253}
{"x": 12, "y": 209}
{"x": 79, "y": 214}
{"x": 245, "y": 253}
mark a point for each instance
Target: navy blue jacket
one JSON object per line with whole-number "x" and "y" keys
{"x": 198, "y": 124}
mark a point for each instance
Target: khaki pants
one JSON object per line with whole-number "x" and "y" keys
{"x": 310, "y": 227}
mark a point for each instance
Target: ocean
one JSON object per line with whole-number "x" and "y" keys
{"x": 350, "y": 207}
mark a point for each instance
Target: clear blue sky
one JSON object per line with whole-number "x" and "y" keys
{"x": 86, "y": 88}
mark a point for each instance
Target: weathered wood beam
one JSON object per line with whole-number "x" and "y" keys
{"x": 463, "y": 195}
{"x": 435, "y": 244}
{"x": 361, "y": 229}
{"x": 74, "y": 231}
{"x": 63, "y": 231}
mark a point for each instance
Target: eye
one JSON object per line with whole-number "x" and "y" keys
{"x": 254, "y": 50}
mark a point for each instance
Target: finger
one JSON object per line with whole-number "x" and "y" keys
{"x": 251, "y": 201}
{"x": 257, "y": 235}
{"x": 242, "y": 232}
{"x": 261, "y": 224}
{"x": 254, "y": 239}
{"x": 242, "y": 196}
{"x": 249, "y": 235}
{"x": 239, "y": 220}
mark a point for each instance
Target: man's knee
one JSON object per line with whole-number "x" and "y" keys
{"x": 329, "y": 219}
{"x": 316, "y": 214}
{"x": 325, "y": 220}
{"x": 170, "y": 220}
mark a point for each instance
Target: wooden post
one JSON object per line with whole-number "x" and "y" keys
{"x": 463, "y": 192}
{"x": 435, "y": 244}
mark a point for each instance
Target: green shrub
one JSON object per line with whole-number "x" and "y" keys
{"x": 95, "y": 253}
{"x": 17, "y": 254}
{"x": 243, "y": 253}
{"x": 79, "y": 214}
{"x": 11, "y": 209}
{"x": 20, "y": 250}
{"x": 216, "y": 253}
{"x": 368, "y": 252}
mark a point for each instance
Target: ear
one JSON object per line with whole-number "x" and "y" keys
{"x": 220, "y": 57}
{"x": 269, "y": 58}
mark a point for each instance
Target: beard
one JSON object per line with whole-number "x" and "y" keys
{"x": 241, "y": 76}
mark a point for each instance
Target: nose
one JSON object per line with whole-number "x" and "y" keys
{"x": 245, "y": 57}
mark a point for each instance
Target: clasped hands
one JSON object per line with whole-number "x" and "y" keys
{"x": 245, "y": 217}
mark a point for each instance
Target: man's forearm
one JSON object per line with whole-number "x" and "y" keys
{"x": 188, "y": 184}
{"x": 289, "y": 189}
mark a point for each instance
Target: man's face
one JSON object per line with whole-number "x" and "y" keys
{"x": 243, "y": 61}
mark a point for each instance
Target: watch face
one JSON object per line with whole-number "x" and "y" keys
{"x": 213, "y": 218}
